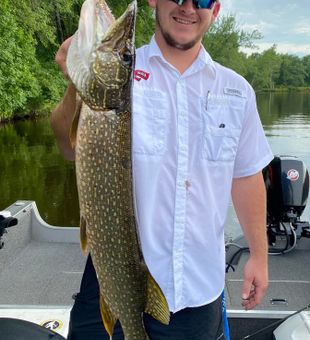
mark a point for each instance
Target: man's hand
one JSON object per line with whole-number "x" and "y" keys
{"x": 255, "y": 283}
{"x": 61, "y": 57}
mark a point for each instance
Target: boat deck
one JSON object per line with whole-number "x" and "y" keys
{"x": 39, "y": 264}
{"x": 288, "y": 292}
{"x": 289, "y": 282}
{"x": 43, "y": 274}
{"x": 42, "y": 266}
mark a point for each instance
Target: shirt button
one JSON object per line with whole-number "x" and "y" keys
{"x": 187, "y": 184}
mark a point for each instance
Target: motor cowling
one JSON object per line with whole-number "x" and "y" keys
{"x": 287, "y": 184}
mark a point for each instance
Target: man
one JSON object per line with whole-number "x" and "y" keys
{"x": 197, "y": 137}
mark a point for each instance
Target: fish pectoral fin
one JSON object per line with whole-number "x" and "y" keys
{"x": 83, "y": 235}
{"x": 107, "y": 317}
{"x": 75, "y": 121}
{"x": 156, "y": 304}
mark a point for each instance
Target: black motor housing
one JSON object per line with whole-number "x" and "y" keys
{"x": 287, "y": 184}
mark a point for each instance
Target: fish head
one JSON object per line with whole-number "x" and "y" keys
{"x": 114, "y": 58}
{"x": 101, "y": 57}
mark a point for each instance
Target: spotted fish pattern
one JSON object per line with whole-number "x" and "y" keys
{"x": 101, "y": 134}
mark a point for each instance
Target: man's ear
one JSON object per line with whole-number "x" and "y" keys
{"x": 216, "y": 10}
{"x": 152, "y": 3}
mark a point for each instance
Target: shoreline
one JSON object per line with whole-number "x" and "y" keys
{"x": 44, "y": 112}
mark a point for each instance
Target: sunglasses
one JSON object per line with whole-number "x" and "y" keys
{"x": 199, "y": 4}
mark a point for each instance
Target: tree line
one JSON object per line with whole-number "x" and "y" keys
{"x": 267, "y": 70}
{"x": 32, "y": 30}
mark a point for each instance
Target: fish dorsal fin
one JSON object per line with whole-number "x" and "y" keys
{"x": 75, "y": 121}
{"x": 156, "y": 304}
{"x": 83, "y": 235}
{"x": 107, "y": 317}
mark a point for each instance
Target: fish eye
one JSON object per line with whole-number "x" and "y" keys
{"x": 127, "y": 57}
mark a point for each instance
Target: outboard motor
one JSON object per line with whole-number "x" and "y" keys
{"x": 287, "y": 184}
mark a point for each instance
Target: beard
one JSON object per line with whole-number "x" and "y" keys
{"x": 180, "y": 46}
{"x": 171, "y": 41}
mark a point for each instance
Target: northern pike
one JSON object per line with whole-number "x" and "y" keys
{"x": 100, "y": 64}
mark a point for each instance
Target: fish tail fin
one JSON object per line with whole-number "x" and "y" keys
{"x": 156, "y": 304}
{"x": 83, "y": 235}
{"x": 107, "y": 317}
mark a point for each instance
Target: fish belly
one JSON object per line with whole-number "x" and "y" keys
{"x": 104, "y": 176}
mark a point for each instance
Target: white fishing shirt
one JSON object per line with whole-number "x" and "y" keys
{"x": 192, "y": 134}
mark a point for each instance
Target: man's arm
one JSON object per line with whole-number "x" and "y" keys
{"x": 62, "y": 116}
{"x": 61, "y": 120}
{"x": 249, "y": 198}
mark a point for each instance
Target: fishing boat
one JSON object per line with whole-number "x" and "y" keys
{"x": 41, "y": 268}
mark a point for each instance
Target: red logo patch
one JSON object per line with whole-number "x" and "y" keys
{"x": 293, "y": 175}
{"x": 139, "y": 74}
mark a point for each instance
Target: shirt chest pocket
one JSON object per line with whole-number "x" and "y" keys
{"x": 222, "y": 122}
{"x": 149, "y": 121}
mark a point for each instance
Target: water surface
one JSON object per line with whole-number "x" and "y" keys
{"x": 286, "y": 121}
{"x": 31, "y": 167}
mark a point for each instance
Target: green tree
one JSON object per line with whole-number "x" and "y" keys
{"x": 145, "y": 20}
{"x": 224, "y": 41}
{"x": 50, "y": 23}
{"x": 306, "y": 63}
{"x": 31, "y": 31}
{"x": 293, "y": 72}
{"x": 18, "y": 84}
{"x": 263, "y": 69}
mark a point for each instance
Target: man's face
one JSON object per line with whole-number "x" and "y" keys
{"x": 182, "y": 27}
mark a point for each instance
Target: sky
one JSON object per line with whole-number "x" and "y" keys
{"x": 284, "y": 23}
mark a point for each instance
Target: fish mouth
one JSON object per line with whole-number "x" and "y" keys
{"x": 122, "y": 30}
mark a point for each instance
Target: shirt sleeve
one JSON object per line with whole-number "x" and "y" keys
{"x": 253, "y": 152}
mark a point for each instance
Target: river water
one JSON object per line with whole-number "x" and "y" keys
{"x": 31, "y": 167}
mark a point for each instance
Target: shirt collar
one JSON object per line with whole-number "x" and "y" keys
{"x": 154, "y": 50}
{"x": 203, "y": 60}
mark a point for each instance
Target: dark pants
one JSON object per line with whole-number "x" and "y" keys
{"x": 199, "y": 323}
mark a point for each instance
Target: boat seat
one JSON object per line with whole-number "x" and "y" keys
{"x": 5, "y": 222}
